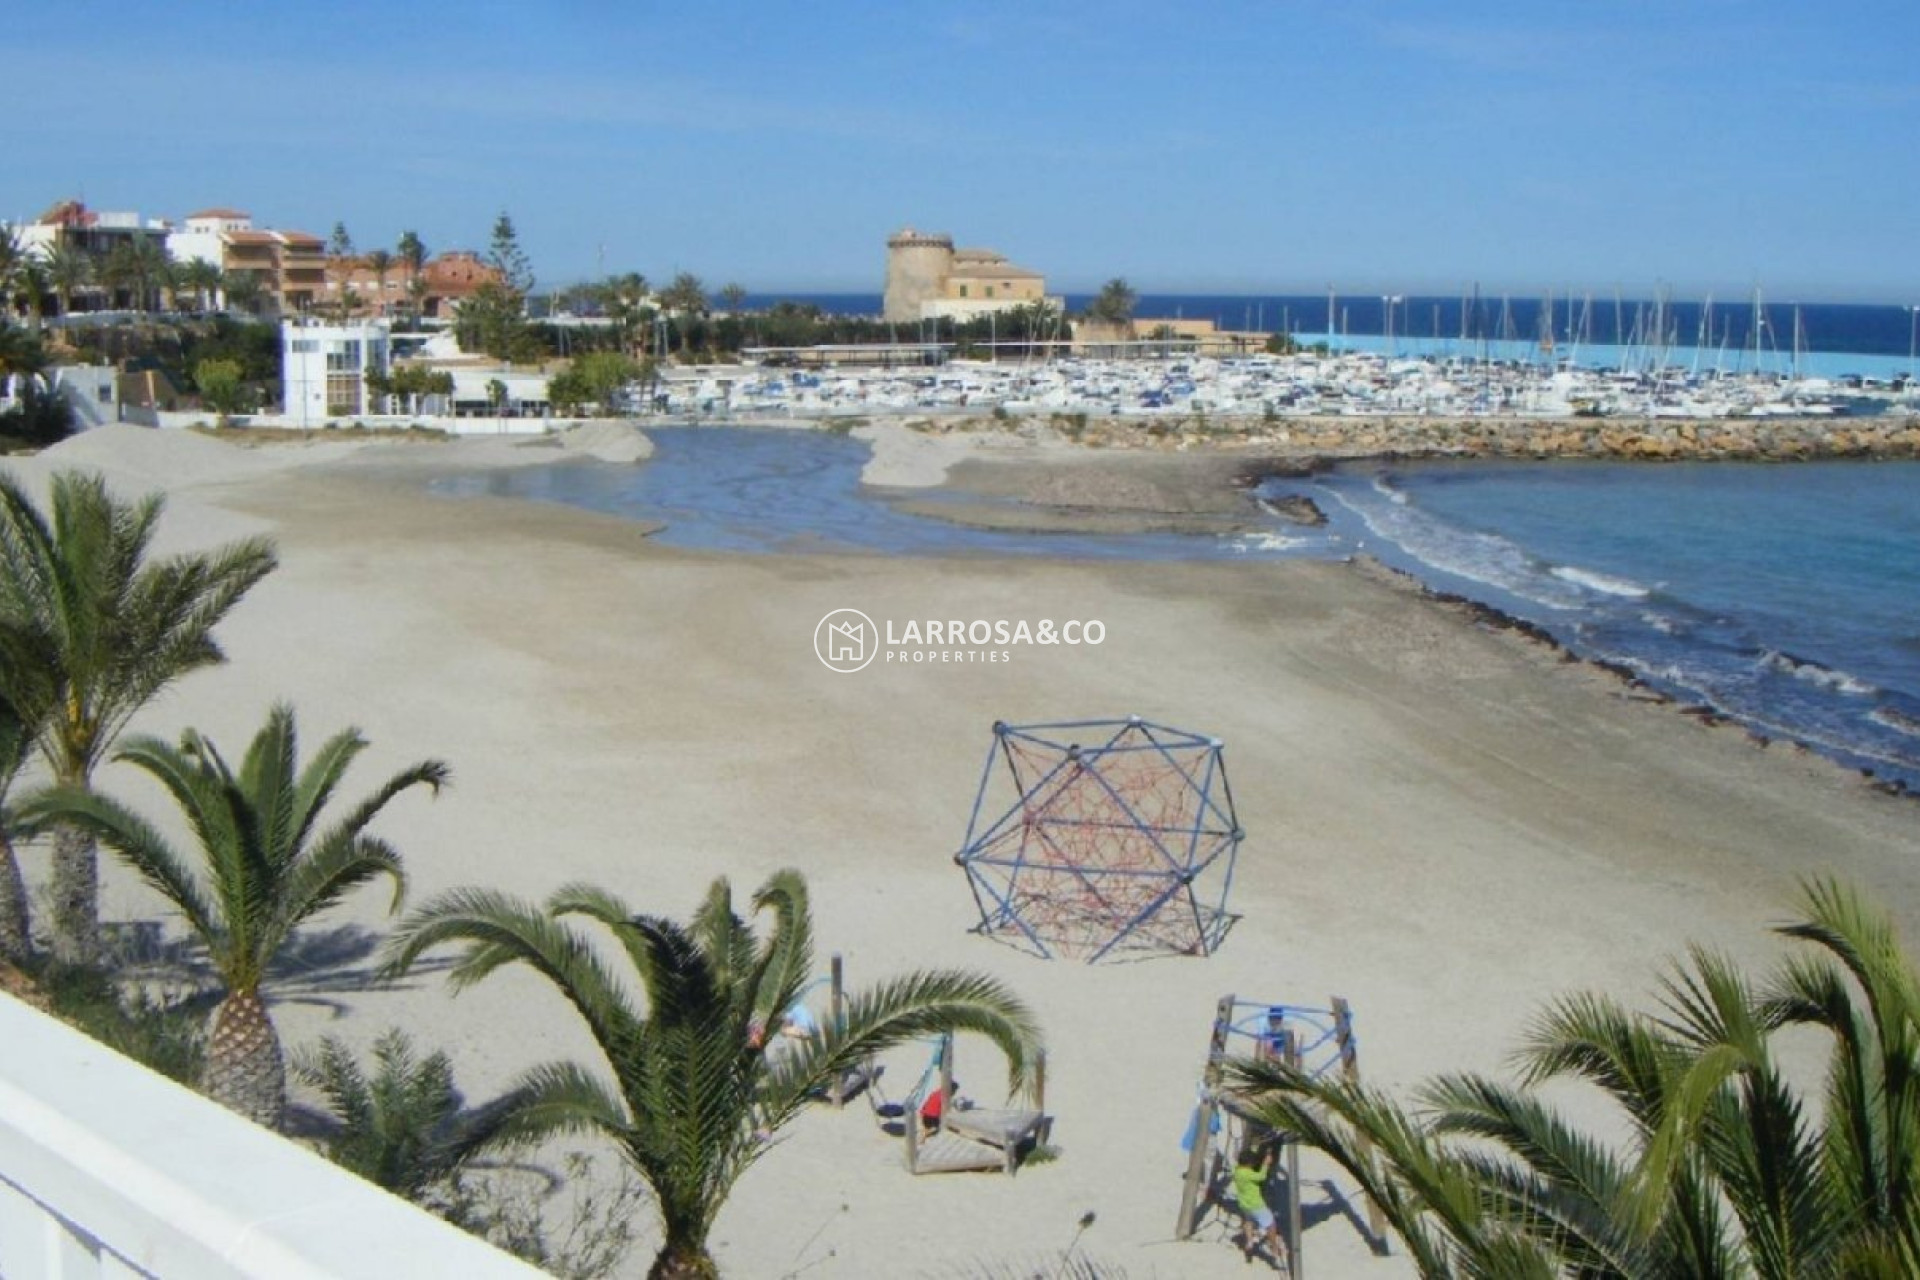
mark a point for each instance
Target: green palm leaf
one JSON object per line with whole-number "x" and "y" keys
{"x": 693, "y": 1098}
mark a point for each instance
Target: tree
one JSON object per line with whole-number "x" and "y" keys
{"x": 693, "y": 1099}
{"x": 380, "y": 262}
{"x": 1726, "y": 1175}
{"x": 16, "y": 935}
{"x": 493, "y": 319}
{"x": 686, "y": 297}
{"x": 596, "y": 378}
{"x": 340, "y": 243}
{"x": 1115, "y": 303}
{"x": 733, "y": 297}
{"x": 403, "y": 1126}
{"x": 411, "y": 253}
{"x": 69, "y": 270}
{"x": 13, "y": 260}
{"x": 242, "y": 289}
{"x": 219, "y": 382}
{"x": 265, "y": 867}
{"x": 203, "y": 279}
{"x": 509, "y": 259}
{"x": 92, "y": 629}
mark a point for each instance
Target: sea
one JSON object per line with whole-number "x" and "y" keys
{"x": 1784, "y": 597}
{"x": 1753, "y": 333}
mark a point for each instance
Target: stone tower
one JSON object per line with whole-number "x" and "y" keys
{"x": 918, "y": 263}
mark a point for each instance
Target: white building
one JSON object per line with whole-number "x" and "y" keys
{"x": 324, "y": 369}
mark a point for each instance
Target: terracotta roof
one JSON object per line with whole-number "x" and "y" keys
{"x": 250, "y": 237}
{"x": 67, "y": 213}
{"x": 299, "y": 239}
{"x": 229, "y": 215}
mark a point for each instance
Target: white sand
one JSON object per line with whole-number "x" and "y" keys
{"x": 1444, "y": 825}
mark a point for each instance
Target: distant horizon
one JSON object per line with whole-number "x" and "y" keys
{"x": 1243, "y": 147}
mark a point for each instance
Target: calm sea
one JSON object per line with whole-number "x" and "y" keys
{"x": 1786, "y": 596}
{"x": 1733, "y": 334}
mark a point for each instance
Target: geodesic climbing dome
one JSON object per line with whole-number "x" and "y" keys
{"x": 1097, "y": 835}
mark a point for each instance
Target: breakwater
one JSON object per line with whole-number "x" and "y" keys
{"x": 1772, "y": 439}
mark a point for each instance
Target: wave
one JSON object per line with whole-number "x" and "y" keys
{"x": 1814, "y": 673}
{"x": 1484, "y": 558}
{"x": 1605, "y": 584}
{"x": 1898, "y": 721}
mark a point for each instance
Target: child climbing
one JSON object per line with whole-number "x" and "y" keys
{"x": 1250, "y": 1172}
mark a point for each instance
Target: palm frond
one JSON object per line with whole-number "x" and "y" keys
{"x": 499, "y": 930}
{"x": 137, "y": 842}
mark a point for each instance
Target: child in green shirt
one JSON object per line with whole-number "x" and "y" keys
{"x": 1249, "y": 1194}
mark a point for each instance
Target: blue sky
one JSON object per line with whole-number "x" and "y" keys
{"x": 1213, "y": 146}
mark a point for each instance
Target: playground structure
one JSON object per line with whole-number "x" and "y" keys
{"x": 1095, "y": 836}
{"x": 966, "y": 1137}
{"x": 971, "y": 1137}
{"x": 1315, "y": 1041}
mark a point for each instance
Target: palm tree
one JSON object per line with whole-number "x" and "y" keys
{"x": 92, "y": 629}
{"x": 202, "y": 278}
{"x": 411, "y": 252}
{"x": 693, "y": 1100}
{"x": 16, "y": 937}
{"x": 13, "y": 260}
{"x": 402, "y": 1126}
{"x": 1726, "y": 1174}
{"x": 380, "y": 262}
{"x": 266, "y": 869}
{"x": 242, "y": 289}
{"x": 69, "y": 270}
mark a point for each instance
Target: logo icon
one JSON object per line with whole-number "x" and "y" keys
{"x": 846, "y": 640}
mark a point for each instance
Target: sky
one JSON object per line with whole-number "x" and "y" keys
{"x": 1214, "y": 146}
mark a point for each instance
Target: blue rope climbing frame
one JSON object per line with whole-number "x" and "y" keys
{"x": 1092, "y": 836}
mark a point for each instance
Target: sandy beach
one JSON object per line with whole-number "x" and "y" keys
{"x": 1446, "y": 823}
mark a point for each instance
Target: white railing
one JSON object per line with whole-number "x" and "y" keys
{"x": 109, "y": 1170}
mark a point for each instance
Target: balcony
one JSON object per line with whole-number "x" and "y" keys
{"x": 108, "y": 1170}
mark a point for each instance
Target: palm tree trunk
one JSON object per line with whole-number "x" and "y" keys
{"x": 245, "y": 1068}
{"x": 16, "y": 943}
{"x": 683, "y": 1260}
{"x": 76, "y": 896}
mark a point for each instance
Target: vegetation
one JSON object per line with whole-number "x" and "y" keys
{"x": 693, "y": 1100}
{"x": 401, "y": 1125}
{"x": 1730, "y": 1171}
{"x": 167, "y": 1035}
{"x": 409, "y": 383}
{"x": 596, "y": 379}
{"x": 1114, "y": 304}
{"x": 16, "y": 938}
{"x": 266, "y": 868}
{"x": 91, "y": 629}
{"x": 220, "y": 386}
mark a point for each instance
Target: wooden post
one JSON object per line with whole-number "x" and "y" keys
{"x": 1190, "y": 1191}
{"x": 837, "y": 1023}
{"x": 945, "y": 1084}
{"x": 1290, "y": 1049}
{"x": 1350, "y": 1068}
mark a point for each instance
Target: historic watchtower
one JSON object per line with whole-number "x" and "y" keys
{"x": 918, "y": 263}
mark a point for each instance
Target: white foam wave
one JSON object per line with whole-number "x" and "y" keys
{"x": 1605, "y": 584}
{"x": 1253, "y": 542}
{"x": 1485, "y": 558}
{"x": 1898, "y": 721}
{"x": 1815, "y": 674}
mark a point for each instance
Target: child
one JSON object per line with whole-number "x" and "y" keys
{"x": 1250, "y": 1194}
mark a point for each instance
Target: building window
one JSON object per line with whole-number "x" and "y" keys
{"x": 963, "y": 291}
